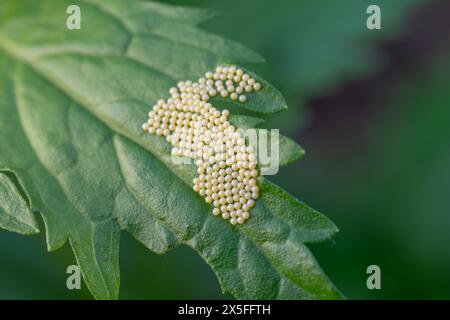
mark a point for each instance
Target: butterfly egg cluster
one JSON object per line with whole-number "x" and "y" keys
{"x": 226, "y": 166}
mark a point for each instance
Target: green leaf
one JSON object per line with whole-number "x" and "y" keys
{"x": 71, "y": 108}
{"x": 15, "y": 214}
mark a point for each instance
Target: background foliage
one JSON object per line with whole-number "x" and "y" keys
{"x": 371, "y": 110}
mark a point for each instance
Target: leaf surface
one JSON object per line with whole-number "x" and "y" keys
{"x": 15, "y": 214}
{"x": 71, "y": 110}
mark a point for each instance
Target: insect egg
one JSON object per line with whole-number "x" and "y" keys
{"x": 226, "y": 167}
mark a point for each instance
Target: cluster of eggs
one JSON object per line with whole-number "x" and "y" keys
{"x": 226, "y": 166}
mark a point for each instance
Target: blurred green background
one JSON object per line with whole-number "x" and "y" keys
{"x": 372, "y": 109}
